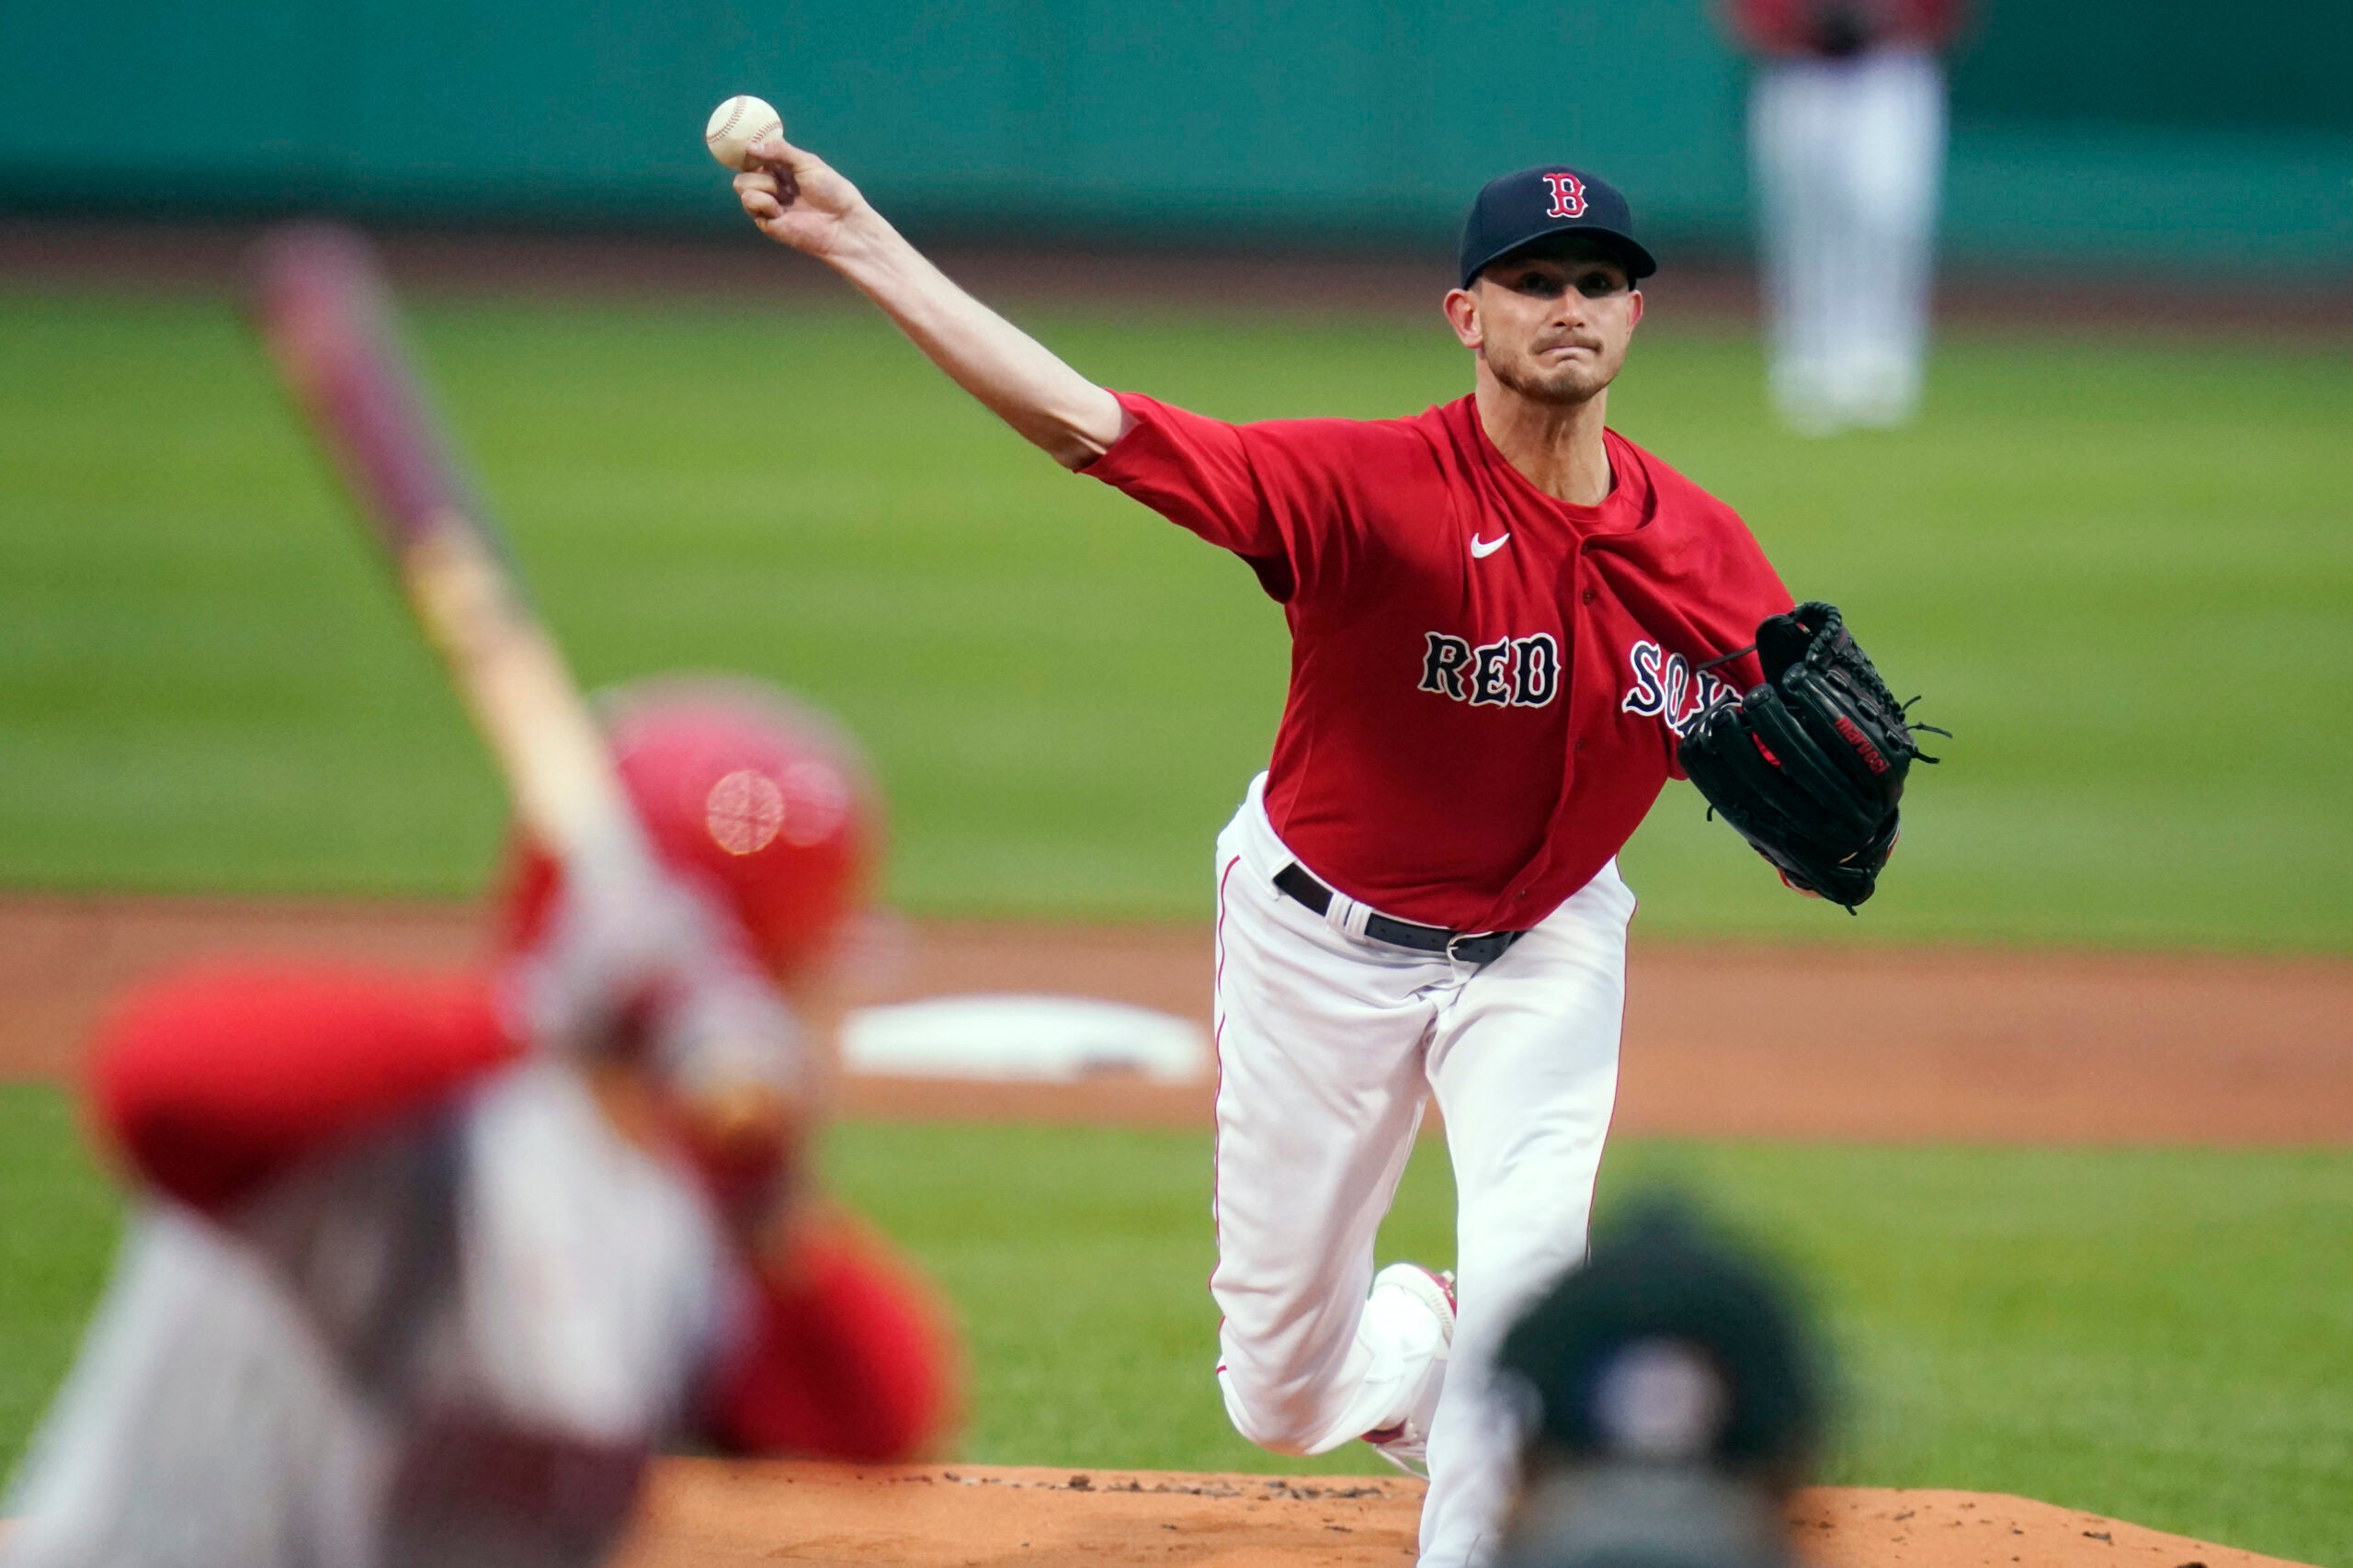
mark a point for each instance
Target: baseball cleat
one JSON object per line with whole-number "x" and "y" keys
{"x": 1403, "y": 1446}
{"x": 1406, "y": 1444}
{"x": 1434, "y": 1287}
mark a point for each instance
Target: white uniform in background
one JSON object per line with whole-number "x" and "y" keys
{"x": 451, "y": 1346}
{"x": 1848, "y": 158}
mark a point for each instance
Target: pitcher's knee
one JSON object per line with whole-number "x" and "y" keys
{"x": 1266, "y": 1422}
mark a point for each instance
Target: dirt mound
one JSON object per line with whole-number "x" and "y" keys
{"x": 710, "y": 1513}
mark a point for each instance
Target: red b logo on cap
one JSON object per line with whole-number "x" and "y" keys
{"x": 1568, "y": 195}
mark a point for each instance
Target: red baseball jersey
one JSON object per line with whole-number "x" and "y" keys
{"x": 1486, "y": 683}
{"x": 1800, "y": 27}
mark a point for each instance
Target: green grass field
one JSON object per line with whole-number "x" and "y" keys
{"x": 2120, "y": 569}
{"x": 2166, "y": 1336}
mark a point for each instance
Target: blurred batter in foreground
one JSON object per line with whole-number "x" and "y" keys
{"x": 429, "y": 1266}
{"x": 1847, "y": 151}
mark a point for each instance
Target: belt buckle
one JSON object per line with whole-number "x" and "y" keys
{"x": 1499, "y": 943}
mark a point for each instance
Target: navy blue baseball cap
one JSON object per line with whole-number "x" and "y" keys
{"x": 1545, "y": 202}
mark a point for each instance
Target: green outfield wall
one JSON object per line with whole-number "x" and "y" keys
{"x": 2148, "y": 131}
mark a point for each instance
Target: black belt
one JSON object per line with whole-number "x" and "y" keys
{"x": 1293, "y": 881}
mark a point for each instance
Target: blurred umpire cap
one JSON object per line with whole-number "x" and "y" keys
{"x": 1674, "y": 1397}
{"x": 1547, "y": 202}
{"x": 1672, "y": 1346}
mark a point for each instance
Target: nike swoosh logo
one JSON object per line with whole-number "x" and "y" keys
{"x": 1483, "y": 548}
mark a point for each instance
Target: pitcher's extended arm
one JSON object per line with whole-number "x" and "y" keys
{"x": 798, "y": 200}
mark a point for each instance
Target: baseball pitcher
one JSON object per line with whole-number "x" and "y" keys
{"x": 425, "y": 1267}
{"x": 1505, "y": 620}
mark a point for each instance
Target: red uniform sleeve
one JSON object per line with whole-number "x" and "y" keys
{"x": 845, "y": 1358}
{"x": 1300, "y": 500}
{"x": 212, "y": 1082}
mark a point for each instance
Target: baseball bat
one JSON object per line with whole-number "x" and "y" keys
{"x": 322, "y": 308}
{"x": 320, "y": 305}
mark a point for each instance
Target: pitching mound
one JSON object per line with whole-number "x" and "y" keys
{"x": 710, "y": 1513}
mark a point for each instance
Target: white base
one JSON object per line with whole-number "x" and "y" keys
{"x": 1037, "y": 1038}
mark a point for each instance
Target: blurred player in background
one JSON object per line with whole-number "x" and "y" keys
{"x": 427, "y": 1266}
{"x": 1676, "y": 1403}
{"x": 1847, "y": 149}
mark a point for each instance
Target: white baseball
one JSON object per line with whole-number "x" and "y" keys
{"x": 736, "y": 125}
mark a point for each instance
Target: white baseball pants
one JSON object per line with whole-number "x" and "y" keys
{"x": 1326, "y": 1044}
{"x": 1847, "y": 157}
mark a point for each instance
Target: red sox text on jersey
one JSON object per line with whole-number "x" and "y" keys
{"x": 1525, "y": 672}
{"x": 1473, "y": 729}
{"x": 1522, "y": 671}
{"x": 1664, "y": 686}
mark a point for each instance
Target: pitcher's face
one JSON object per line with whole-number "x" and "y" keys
{"x": 1551, "y": 326}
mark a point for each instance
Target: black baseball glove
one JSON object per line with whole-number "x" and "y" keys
{"x": 1808, "y": 767}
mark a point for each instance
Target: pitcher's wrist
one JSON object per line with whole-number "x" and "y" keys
{"x": 865, "y": 245}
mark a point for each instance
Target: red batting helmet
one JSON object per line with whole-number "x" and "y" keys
{"x": 762, "y": 805}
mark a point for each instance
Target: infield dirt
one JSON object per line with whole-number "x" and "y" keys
{"x": 1877, "y": 1044}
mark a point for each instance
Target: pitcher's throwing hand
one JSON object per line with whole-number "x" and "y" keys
{"x": 798, "y": 197}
